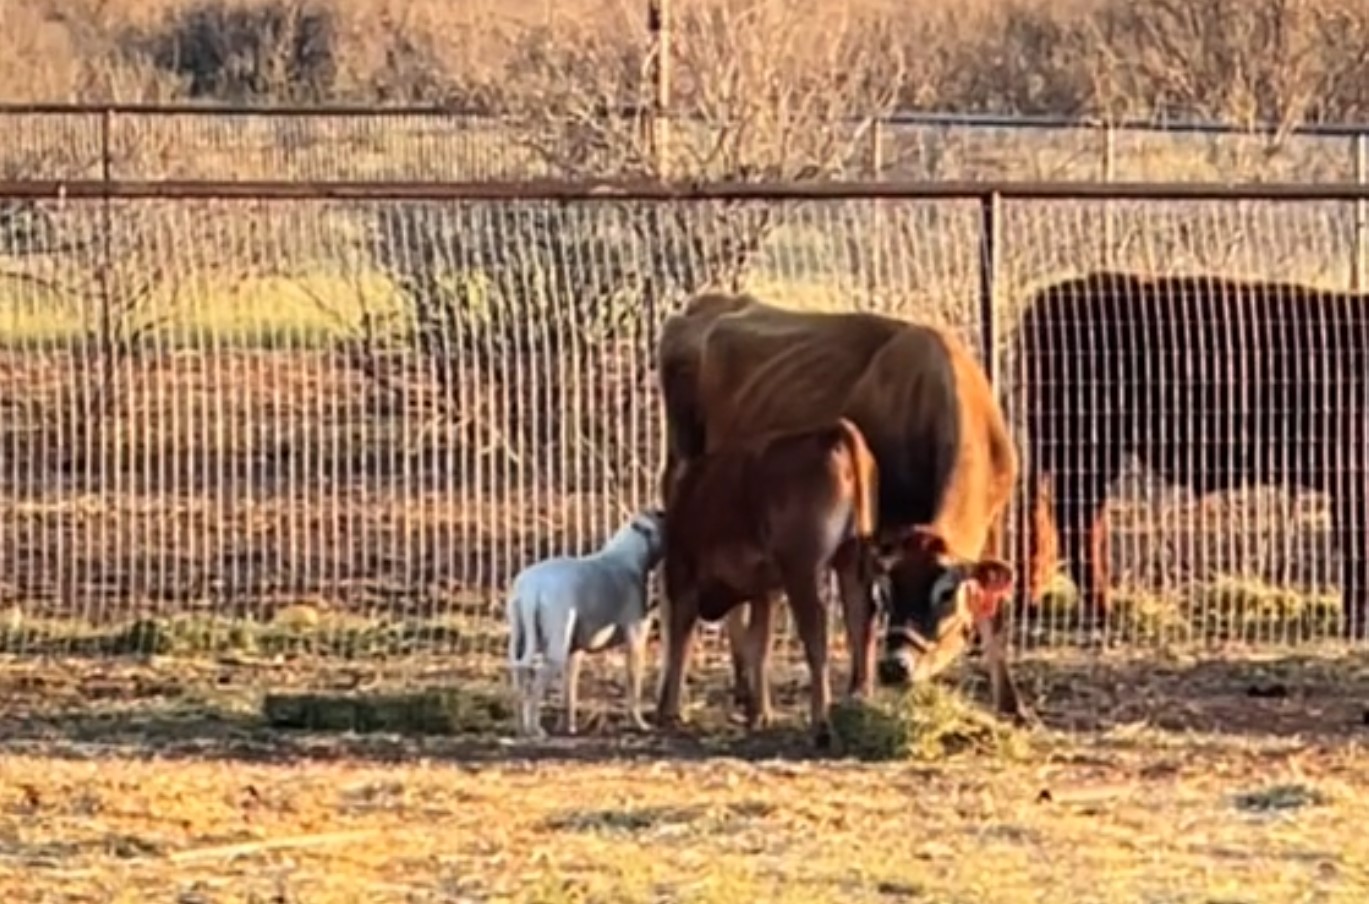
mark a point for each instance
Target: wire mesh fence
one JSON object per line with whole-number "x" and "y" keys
{"x": 337, "y": 428}
{"x": 138, "y": 142}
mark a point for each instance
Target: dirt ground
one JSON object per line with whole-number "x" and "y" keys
{"x": 1169, "y": 779}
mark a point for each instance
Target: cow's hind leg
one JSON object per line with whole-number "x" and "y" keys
{"x": 1351, "y": 519}
{"x": 758, "y": 708}
{"x": 810, "y": 619}
{"x": 1080, "y": 500}
{"x": 735, "y": 625}
{"x": 858, "y": 611}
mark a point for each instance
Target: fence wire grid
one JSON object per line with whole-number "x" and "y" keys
{"x": 337, "y": 429}
{"x": 380, "y": 144}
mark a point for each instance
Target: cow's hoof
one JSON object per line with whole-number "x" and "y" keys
{"x": 669, "y": 723}
{"x": 1023, "y": 716}
{"x": 759, "y": 721}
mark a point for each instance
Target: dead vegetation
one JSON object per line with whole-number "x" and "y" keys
{"x": 161, "y": 781}
{"x": 757, "y": 85}
{"x": 1281, "y": 60}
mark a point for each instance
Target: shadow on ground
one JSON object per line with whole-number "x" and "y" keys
{"x": 82, "y": 709}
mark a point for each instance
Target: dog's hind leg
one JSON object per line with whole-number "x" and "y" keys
{"x": 541, "y": 676}
{"x": 517, "y": 671}
{"x": 552, "y": 643}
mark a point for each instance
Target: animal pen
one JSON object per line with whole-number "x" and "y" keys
{"x": 329, "y": 421}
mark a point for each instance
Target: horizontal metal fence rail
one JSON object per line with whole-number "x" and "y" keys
{"x": 898, "y": 118}
{"x": 332, "y": 419}
{"x": 594, "y": 190}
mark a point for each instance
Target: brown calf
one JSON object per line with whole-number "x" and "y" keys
{"x": 749, "y": 521}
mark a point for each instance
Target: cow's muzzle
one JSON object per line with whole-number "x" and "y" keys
{"x": 905, "y": 650}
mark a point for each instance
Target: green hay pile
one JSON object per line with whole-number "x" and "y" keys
{"x": 432, "y": 712}
{"x": 930, "y": 722}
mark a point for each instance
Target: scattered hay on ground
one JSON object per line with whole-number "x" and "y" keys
{"x": 447, "y": 711}
{"x": 929, "y": 722}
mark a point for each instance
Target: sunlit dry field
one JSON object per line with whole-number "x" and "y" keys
{"x": 1182, "y": 781}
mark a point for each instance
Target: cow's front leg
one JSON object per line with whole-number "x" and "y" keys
{"x": 810, "y": 618}
{"x": 681, "y": 616}
{"x": 759, "y": 712}
{"x": 1002, "y": 687}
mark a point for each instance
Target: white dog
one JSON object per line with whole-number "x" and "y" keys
{"x": 567, "y": 606}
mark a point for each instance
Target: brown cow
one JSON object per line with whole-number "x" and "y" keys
{"x": 1214, "y": 384}
{"x": 747, "y": 521}
{"x": 733, "y": 367}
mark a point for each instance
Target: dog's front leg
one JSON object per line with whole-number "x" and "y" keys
{"x": 520, "y": 697}
{"x": 570, "y": 689}
{"x": 541, "y": 677}
{"x": 636, "y": 662}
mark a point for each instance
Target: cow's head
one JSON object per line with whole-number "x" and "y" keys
{"x": 934, "y": 600}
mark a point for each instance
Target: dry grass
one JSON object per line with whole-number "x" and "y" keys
{"x": 1161, "y": 783}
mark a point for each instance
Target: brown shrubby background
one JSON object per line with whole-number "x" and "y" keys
{"x": 1239, "y": 60}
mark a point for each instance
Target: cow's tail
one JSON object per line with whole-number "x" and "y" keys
{"x": 866, "y": 477}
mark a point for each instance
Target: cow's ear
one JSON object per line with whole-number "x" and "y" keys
{"x": 926, "y": 541}
{"x": 887, "y": 554}
{"x": 994, "y": 576}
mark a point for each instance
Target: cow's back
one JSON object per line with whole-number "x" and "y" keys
{"x": 917, "y": 394}
{"x": 1212, "y": 381}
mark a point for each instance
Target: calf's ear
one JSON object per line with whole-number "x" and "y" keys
{"x": 918, "y": 540}
{"x": 925, "y": 540}
{"x": 994, "y": 576}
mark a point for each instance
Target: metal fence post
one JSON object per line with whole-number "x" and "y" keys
{"x": 658, "y": 25}
{"x": 876, "y": 262}
{"x": 106, "y": 228}
{"x": 1357, "y": 263}
{"x": 990, "y": 225}
{"x": 1109, "y": 209}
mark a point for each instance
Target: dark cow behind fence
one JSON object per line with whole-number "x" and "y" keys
{"x": 733, "y": 367}
{"x": 1214, "y": 384}
{"x": 746, "y": 522}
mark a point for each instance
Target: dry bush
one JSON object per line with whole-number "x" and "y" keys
{"x": 244, "y": 51}
{"x": 759, "y": 83}
{"x": 1283, "y": 60}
